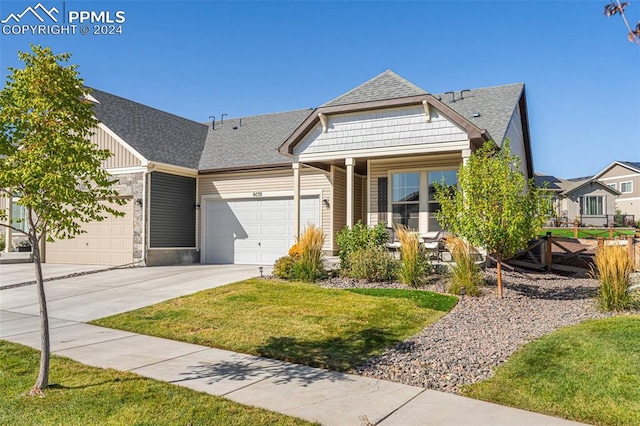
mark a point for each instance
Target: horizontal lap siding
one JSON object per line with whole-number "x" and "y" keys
{"x": 122, "y": 157}
{"x": 380, "y": 169}
{"x": 249, "y": 182}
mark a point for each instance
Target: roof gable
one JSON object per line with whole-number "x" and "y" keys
{"x": 387, "y": 85}
{"x": 631, "y": 165}
{"x": 157, "y": 135}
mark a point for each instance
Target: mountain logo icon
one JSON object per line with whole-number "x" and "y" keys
{"x": 34, "y": 11}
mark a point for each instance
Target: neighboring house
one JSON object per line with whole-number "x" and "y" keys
{"x": 624, "y": 176}
{"x": 586, "y": 199}
{"x": 239, "y": 190}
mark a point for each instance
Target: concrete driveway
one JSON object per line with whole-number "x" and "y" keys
{"x": 88, "y": 297}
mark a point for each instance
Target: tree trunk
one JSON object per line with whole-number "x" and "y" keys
{"x": 499, "y": 266}
{"x": 43, "y": 375}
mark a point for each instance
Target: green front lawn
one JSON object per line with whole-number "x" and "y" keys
{"x": 588, "y": 372}
{"x": 295, "y": 322}
{"x": 84, "y": 395}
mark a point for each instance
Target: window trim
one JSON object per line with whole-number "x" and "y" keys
{"x": 613, "y": 185}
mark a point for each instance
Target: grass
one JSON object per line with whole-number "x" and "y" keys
{"x": 86, "y": 395}
{"x": 587, "y": 233}
{"x": 423, "y": 299}
{"x": 588, "y": 372}
{"x": 295, "y": 322}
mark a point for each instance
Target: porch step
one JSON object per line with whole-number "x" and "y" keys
{"x": 15, "y": 257}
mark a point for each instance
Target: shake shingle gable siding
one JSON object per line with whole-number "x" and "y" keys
{"x": 157, "y": 135}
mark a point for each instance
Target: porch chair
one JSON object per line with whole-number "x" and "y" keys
{"x": 392, "y": 243}
{"x": 434, "y": 243}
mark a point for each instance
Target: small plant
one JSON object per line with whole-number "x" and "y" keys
{"x": 414, "y": 266}
{"x": 283, "y": 268}
{"x": 309, "y": 267}
{"x": 2, "y": 241}
{"x": 359, "y": 237}
{"x": 464, "y": 272}
{"x": 372, "y": 264}
{"x": 613, "y": 269}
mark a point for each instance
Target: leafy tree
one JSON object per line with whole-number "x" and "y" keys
{"x": 47, "y": 159}
{"x": 494, "y": 206}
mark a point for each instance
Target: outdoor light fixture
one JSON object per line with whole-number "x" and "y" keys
{"x": 260, "y": 268}
{"x": 325, "y": 202}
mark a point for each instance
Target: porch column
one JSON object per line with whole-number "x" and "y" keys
{"x": 7, "y": 230}
{"x": 350, "y": 162}
{"x": 296, "y": 199}
{"x": 466, "y": 153}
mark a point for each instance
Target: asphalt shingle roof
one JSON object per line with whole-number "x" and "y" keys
{"x": 387, "y": 85}
{"x": 157, "y": 135}
{"x": 253, "y": 143}
{"x": 632, "y": 164}
{"x": 163, "y": 137}
{"x": 494, "y": 104}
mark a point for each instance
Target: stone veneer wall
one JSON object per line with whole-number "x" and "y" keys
{"x": 131, "y": 185}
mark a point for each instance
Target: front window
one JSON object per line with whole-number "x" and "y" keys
{"x": 446, "y": 177}
{"x": 592, "y": 206}
{"x": 19, "y": 216}
{"x": 612, "y": 185}
{"x": 626, "y": 187}
{"x": 405, "y": 199}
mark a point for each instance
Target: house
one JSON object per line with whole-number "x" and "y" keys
{"x": 624, "y": 176}
{"x": 239, "y": 190}
{"x": 586, "y": 199}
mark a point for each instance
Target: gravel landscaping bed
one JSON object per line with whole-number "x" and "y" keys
{"x": 482, "y": 332}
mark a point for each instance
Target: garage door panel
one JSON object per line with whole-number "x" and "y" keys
{"x": 109, "y": 242}
{"x": 266, "y": 228}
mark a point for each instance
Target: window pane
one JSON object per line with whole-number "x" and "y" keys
{"x": 450, "y": 178}
{"x": 407, "y": 215}
{"x": 405, "y": 187}
{"x": 593, "y": 206}
{"x": 19, "y": 212}
{"x": 625, "y": 187}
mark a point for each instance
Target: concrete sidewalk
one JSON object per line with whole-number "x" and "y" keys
{"x": 319, "y": 395}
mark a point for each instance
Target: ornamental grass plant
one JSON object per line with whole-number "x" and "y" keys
{"x": 414, "y": 266}
{"x": 613, "y": 269}
{"x": 465, "y": 273}
{"x": 308, "y": 265}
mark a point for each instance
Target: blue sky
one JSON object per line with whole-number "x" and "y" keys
{"x": 202, "y": 58}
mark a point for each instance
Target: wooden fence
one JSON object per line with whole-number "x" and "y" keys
{"x": 570, "y": 254}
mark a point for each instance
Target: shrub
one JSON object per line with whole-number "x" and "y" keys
{"x": 372, "y": 264}
{"x": 308, "y": 267}
{"x": 465, "y": 272}
{"x": 294, "y": 251}
{"x": 359, "y": 237}
{"x": 613, "y": 269}
{"x": 2, "y": 241}
{"x": 414, "y": 266}
{"x": 283, "y": 268}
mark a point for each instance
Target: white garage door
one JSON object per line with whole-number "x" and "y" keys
{"x": 109, "y": 242}
{"x": 255, "y": 231}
